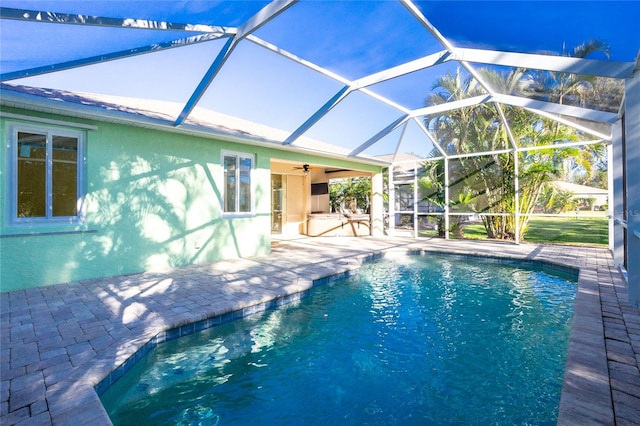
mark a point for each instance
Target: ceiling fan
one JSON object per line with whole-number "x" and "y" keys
{"x": 305, "y": 168}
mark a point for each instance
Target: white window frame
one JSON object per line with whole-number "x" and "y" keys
{"x": 49, "y": 132}
{"x": 238, "y": 155}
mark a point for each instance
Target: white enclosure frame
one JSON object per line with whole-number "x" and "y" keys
{"x": 624, "y": 144}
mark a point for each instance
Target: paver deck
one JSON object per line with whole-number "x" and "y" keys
{"x": 59, "y": 342}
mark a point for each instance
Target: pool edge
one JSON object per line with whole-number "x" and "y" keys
{"x": 574, "y": 363}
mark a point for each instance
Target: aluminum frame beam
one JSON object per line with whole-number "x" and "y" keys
{"x": 313, "y": 119}
{"x": 288, "y": 55}
{"x": 273, "y": 9}
{"x": 267, "y": 13}
{"x": 450, "y": 106}
{"x": 578, "y": 126}
{"x": 572, "y": 111}
{"x": 429, "y": 136}
{"x": 545, "y": 62}
{"x": 382, "y": 133}
{"x": 98, "y": 21}
{"x": 213, "y": 70}
{"x": 61, "y": 66}
{"x": 413, "y": 10}
{"x": 399, "y": 143}
{"x": 403, "y": 69}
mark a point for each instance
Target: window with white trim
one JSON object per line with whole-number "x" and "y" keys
{"x": 46, "y": 174}
{"x": 238, "y": 189}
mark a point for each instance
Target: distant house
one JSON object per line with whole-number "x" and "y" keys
{"x": 94, "y": 186}
{"x": 599, "y": 195}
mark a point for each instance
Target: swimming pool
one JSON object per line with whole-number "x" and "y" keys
{"x": 409, "y": 340}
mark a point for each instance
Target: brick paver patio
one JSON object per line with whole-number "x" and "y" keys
{"x": 59, "y": 342}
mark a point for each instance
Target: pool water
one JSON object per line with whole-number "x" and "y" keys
{"x": 409, "y": 340}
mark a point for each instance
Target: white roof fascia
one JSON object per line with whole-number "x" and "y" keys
{"x": 448, "y": 106}
{"x": 573, "y": 111}
{"x": 194, "y": 130}
{"x": 44, "y": 105}
{"x": 265, "y": 15}
{"x": 49, "y": 121}
{"x": 403, "y": 69}
{"x": 545, "y": 62}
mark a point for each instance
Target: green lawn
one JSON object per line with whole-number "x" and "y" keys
{"x": 557, "y": 230}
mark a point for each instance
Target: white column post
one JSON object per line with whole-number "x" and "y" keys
{"x": 516, "y": 183}
{"x": 632, "y": 172}
{"x": 446, "y": 198}
{"x": 415, "y": 200}
{"x": 377, "y": 204}
{"x": 392, "y": 202}
{"x": 616, "y": 188}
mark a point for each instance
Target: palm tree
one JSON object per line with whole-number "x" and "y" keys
{"x": 486, "y": 183}
{"x": 564, "y": 88}
{"x": 350, "y": 194}
{"x": 477, "y": 183}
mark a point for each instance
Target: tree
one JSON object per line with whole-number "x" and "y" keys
{"x": 487, "y": 183}
{"x": 553, "y": 200}
{"x": 564, "y": 88}
{"x": 476, "y": 183}
{"x": 350, "y": 194}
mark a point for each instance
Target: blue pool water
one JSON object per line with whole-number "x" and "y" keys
{"x": 412, "y": 340}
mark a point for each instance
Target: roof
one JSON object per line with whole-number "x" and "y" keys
{"x": 157, "y": 114}
{"x": 349, "y": 74}
{"x": 579, "y": 189}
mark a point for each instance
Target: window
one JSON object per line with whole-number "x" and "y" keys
{"x": 46, "y": 174}
{"x": 237, "y": 182}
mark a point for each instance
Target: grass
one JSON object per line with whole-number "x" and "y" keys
{"x": 557, "y": 230}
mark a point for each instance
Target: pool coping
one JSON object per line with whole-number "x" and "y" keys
{"x": 69, "y": 391}
{"x": 219, "y": 319}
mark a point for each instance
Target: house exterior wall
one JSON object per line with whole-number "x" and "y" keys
{"x": 153, "y": 201}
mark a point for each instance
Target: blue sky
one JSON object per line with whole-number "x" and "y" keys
{"x": 539, "y": 26}
{"x": 350, "y": 38}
